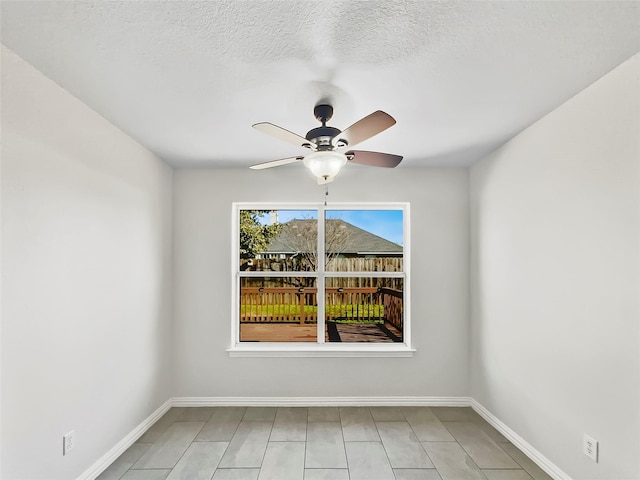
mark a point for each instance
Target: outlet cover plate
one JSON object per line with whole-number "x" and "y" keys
{"x": 590, "y": 447}
{"x": 68, "y": 441}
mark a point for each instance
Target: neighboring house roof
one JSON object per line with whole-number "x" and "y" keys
{"x": 356, "y": 240}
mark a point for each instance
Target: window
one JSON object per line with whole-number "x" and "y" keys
{"x": 321, "y": 280}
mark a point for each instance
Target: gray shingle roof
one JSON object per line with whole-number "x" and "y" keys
{"x": 299, "y": 235}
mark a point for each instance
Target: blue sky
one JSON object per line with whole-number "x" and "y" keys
{"x": 384, "y": 223}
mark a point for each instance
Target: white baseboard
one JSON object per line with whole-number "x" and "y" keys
{"x": 321, "y": 401}
{"x": 538, "y": 458}
{"x": 108, "y": 458}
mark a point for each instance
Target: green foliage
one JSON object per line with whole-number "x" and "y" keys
{"x": 345, "y": 313}
{"x": 254, "y": 236}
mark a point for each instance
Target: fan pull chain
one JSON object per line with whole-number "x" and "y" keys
{"x": 326, "y": 193}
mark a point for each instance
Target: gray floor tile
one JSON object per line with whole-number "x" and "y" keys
{"x": 222, "y": 425}
{"x": 494, "y": 434}
{"x": 452, "y": 461}
{"x": 290, "y": 425}
{"x": 416, "y": 474}
{"x": 247, "y": 446}
{"x": 455, "y": 414}
{"x": 326, "y": 474}
{"x": 484, "y": 452}
{"x": 283, "y": 461}
{"x": 386, "y": 414}
{"x": 166, "y": 452}
{"x": 525, "y": 462}
{"x": 124, "y": 462}
{"x": 157, "y": 429}
{"x": 358, "y": 425}
{"x": 228, "y": 413}
{"x": 260, "y": 414}
{"x": 236, "y": 474}
{"x": 368, "y": 461}
{"x": 506, "y": 475}
{"x": 199, "y": 461}
{"x": 402, "y": 446}
{"x": 324, "y": 414}
{"x": 196, "y": 414}
{"x": 325, "y": 447}
{"x": 426, "y": 425}
{"x": 146, "y": 475}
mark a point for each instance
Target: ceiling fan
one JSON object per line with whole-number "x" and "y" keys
{"x": 326, "y": 144}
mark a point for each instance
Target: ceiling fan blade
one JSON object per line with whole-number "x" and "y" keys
{"x": 282, "y": 134}
{"x": 275, "y": 163}
{"x": 325, "y": 180}
{"x": 373, "y": 159}
{"x": 365, "y": 128}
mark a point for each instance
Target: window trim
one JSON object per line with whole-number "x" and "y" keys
{"x": 320, "y": 348}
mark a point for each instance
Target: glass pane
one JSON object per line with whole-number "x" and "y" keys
{"x": 278, "y": 309}
{"x": 364, "y": 240}
{"x": 278, "y": 240}
{"x": 364, "y": 309}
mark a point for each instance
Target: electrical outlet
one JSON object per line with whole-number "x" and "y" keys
{"x": 68, "y": 442}
{"x": 590, "y": 447}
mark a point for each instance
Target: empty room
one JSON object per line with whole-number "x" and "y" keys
{"x": 306, "y": 240}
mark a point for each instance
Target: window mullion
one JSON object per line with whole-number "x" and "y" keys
{"x": 321, "y": 274}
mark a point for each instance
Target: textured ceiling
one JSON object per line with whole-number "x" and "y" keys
{"x": 188, "y": 78}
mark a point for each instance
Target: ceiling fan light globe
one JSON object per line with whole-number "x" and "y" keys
{"x": 325, "y": 163}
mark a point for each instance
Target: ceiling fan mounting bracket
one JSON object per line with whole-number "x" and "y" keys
{"x": 323, "y": 113}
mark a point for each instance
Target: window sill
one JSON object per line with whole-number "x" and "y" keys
{"x": 315, "y": 350}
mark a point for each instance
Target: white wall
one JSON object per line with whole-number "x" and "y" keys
{"x": 86, "y": 279}
{"x": 555, "y": 280}
{"x": 202, "y": 240}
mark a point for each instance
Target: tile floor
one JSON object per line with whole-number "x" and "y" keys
{"x": 322, "y": 443}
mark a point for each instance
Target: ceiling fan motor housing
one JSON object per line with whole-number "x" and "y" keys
{"x": 322, "y": 136}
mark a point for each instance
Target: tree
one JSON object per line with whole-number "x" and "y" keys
{"x": 255, "y": 236}
{"x": 301, "y": 236}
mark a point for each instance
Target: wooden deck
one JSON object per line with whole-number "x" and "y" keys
{"x": 371, "y": 333}
{"x": 277, "y": 332}
{"x": 334, "y": 332}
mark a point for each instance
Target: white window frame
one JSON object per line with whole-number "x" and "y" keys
{"x": 320, "y": 348}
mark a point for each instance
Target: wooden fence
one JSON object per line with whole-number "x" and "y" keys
{"x": 299, "y": 305}
{"x": 297, "y": 264}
